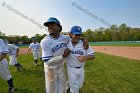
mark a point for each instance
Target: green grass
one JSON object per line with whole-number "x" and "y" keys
{"x": 23, "y": 46}
{"x": 115, "y": 44}
{"x": 105, "y": 74}
{"x": 30, "y": 80}
{"x": 111, "y": 74}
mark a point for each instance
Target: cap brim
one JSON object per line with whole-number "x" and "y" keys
{"x": 46, "y": 23}
{"x": 77, "y": 33}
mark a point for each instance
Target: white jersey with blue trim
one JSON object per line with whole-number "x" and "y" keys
{"x": 12, "y": 49}
{"x": 76, "y": 51}
{"x": 52, "y": 47}
{"x": 35, "y": 47}
{"x": 3, "y": 47}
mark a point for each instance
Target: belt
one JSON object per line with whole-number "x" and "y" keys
{"x": 12, "y": 54}
{"x": 75, "y": 67}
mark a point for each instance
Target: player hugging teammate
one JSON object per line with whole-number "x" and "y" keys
{"x": 54, "y": 52}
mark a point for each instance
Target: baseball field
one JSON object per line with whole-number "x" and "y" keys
{"x": 105, "y": 74}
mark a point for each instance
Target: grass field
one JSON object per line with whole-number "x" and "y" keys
{"x": 105, "y": 74}
{"x": 134, "y": 44}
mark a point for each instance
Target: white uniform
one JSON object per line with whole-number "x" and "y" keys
{"x": 4, "y": 70}
{"x": 75, "y": 69}
{"x": 12, "y": 54}
{"x": 36, "y": 50}
{"x": 55, "y": 77}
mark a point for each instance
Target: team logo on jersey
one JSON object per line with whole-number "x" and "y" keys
{"x": 77, "y": 52}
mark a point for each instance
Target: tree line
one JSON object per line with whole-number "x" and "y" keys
{"x": 113, "y": 33}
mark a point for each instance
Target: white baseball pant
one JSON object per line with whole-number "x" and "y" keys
{"x": 13, "y": 60}
{"x": 55, "y": 80}
{"x": 36, "y": 55}
{"x": 4, "y": 70}
{"x": 75, "y": 78}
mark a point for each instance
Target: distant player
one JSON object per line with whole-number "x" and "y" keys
{"x": 4, "y": 70}
{"x": 76, "y": 60}
{"x": 13, "y": 54}
{"x": 35, "y": 46}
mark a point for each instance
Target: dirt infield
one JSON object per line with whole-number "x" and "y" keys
{"x": 23, "y": 50}
{"x": 128, "y": 52}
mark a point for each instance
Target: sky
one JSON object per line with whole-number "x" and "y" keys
{"x": 26, "y": 17}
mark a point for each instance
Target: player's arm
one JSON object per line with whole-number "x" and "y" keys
{"x": 2, "y": 56}
{"x": 85, "y": 43}
{"x": 30, "y": 46}
{"x": 84, "y": 58}
{"x": 57, "y": 59}
{"x": 28, "y": 50}
{"x": 90, "y": 55}
{"x": 17, "y": 52}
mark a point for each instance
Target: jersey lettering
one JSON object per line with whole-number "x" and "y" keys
{"x": 77, "y": 52}
{"x": 57, "y": 47}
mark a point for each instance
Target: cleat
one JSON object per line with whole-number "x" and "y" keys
{"x": 11, "y": 89}
{"x": 68, "y": 90}
{"x": 68, "y": 87}
{"x": 21, "y": 66}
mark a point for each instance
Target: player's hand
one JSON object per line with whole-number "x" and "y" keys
{"x": 66, "y": 53}
{"x": 2, "y": 56}
{"x": 85, "y": 44}
{"x": 81, "y": 58}
{"x": 70, "y": 34}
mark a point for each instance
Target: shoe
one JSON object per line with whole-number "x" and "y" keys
{"x": 18, "y": 69}
{"x": 11, "y": 89}
{"x": 21, "y": 66}
{"x": 68, "y": 90}
{"x": 68, "y": 87}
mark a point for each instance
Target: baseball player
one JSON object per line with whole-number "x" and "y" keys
{"x": 13, "y": 53}
{"x": 54, "y": 50}
{"x": 4, "y": 70}
{"x": 35, "y": 46}
{"x": 76, "y": 60}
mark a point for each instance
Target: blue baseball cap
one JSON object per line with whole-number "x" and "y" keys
{"x": 52, "y": 20}
{"x": 76, "y": 30}
{"x": 33, "y": 38}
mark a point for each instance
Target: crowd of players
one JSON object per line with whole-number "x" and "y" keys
{"x": 56, "y": 50}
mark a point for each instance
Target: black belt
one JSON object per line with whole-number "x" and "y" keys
{"x": 75, "y": 67}
{"x": 12, "y": 54}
